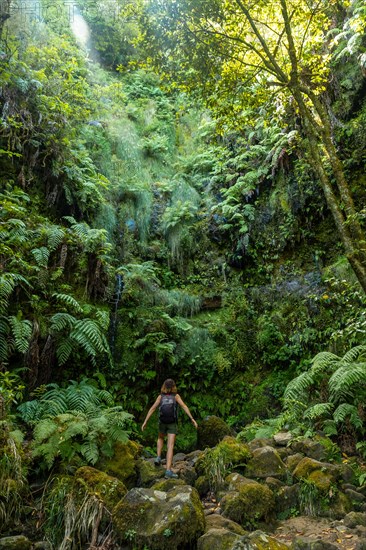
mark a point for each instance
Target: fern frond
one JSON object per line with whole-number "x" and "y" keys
{"x": 297, "y": 389}
{"x": 354, "y": 354}
{"x": 324, "y": 362}
{"x": 60, "y": 321}
{"x": 55, "y": 236}
{"x": 346, "y": 411}
{"x": 22, "y": 333}
{"x": 90, "y": 451}
{"x": 8, "y": 282}
{"x": 64, "y": 350}
{"x": 68, "y": 300}
{"x": 41, "y": 255}
{"x": 345, "y": 382}
{"x": 30, "y": 411}
{"x": 44, "y": 429}
{"x": 318, "y": 410}
{"x": 77, "y": 426}
{"x": 91, "y": 330}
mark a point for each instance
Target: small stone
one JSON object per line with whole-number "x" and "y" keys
{"x": 282, "y": 438}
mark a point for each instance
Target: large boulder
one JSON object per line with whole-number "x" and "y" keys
{"x": 217, "y": 521}
{"x": 159, "y": 520}
{"x": 218, "y": 539}
{"x": 310, "y": 448}
{"x": 307, "y": 466}
{"x": 148, "y": 473}
{"x": 123, "y": 463}
{"x": 266, "y": 462}
{"x": 18, "y": 542}
{"x": 211, "y": 431}
{"x": 250, "y": 503}
{"x": 108, "y": 489}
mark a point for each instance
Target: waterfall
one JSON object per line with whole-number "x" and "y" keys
{"x": 82, "y": 33}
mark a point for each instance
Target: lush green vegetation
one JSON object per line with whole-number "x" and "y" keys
{"x": 197, "y": 215}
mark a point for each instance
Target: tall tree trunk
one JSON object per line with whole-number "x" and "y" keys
{"x": 345, "y": 218}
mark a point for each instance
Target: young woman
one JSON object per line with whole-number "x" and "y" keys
{"x": 167, "y": 402}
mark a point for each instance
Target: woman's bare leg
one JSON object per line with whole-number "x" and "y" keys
{"x": 170, "y": 451}
{"x": 160, "y": 444}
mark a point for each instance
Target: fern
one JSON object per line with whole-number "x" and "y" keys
{"x": 41, "y": 255}
{"x": 346, "y": 411}
{"x": 318, "y": 410}
{"x": 22, "y": 333}
{"x": 61, "y": 321}
{"x": 345, "y": 382}
{"x": 68, "y": 300}
{"x": 55, "y": 236}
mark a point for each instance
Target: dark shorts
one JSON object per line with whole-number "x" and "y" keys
{"x": 168, "y": 428}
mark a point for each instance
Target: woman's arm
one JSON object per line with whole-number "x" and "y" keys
{"x": 180, "y": 402}
{"x": 151, "y": 410}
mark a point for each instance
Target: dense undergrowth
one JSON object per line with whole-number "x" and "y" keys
{"x": 140, "y": 241}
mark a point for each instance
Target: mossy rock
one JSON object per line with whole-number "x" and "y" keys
{"x": 266, "y": 462}
{"x": 234, "y": 481}
{"x": 217, "y": 521}
{"x": 293, "y": 460}
{"x": 307, "y": 466}
{"x": 340, "y": 505}
{"x": 354, "y": 519}
{"x": 310, "y": 448}
{"x": 261, "y": 541}
{"x": 321, "y": 480}
{"x": 251, "y": 503}
{"x": 228, "y": 451}
{"x": 148, "y": 473}
{"x": 108, "y": 489}
{"x": 218, "y": 539}
{"x": 211, "y": 431}
{"x": 18, "y": 542}
{"x": 159, "y": 520}
{"x": 202, "y": 485}
{"x": 123, "y": 462}
{"x": 167, "y": 484}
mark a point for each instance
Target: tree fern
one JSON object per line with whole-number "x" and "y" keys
{"x": 346, "y": 411}
{"x": 344, "y": 380}
{"x": 354, "y": 354}
{"x": 319, "y": 410}
{"x": 345, "y": 383}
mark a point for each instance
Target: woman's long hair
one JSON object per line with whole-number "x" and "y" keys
{"x": 169, "y": 386}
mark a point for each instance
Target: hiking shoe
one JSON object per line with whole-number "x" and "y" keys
{"x": 170, "y": 475}
{"x": 157, "y": 461}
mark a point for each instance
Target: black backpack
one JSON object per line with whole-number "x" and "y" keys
{"x": 168, "y": 410}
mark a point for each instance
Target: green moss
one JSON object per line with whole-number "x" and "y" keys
{"x": 150, "y": 514}
{"x": 211, "y": 431}
{"x": 108, "y": 489}
{"x": 123, "y": 463}
{"x": 148, "y": 473}
{"x": 250, "y": 504}
{"x": 321, "y": 480}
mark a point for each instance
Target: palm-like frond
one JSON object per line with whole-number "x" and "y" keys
{"x": 61, "y": 321}
{"x": 357, "y": 353}
{"x": 296, "y": 390}
{"x": 22, "y": 332}
{"x": 346, "y": 381}
{"x": 346, "y": 411}
{"x": 68, "y": 300}
{"x": 324, "y": 362}
{"x": 318, "y": 410}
